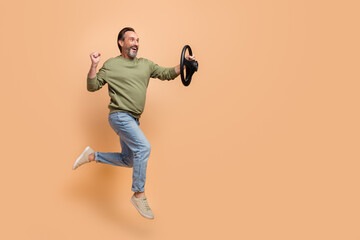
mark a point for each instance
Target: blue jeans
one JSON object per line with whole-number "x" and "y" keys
{"x": 134, "y": 145}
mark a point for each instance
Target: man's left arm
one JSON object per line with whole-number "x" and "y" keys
{"x": 162, "y": 73}
{"x": 166, "y": 73}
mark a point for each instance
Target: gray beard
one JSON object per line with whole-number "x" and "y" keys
{"x": 130, "y": 54}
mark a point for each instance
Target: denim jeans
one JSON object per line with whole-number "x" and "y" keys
{"x": 135, "y": 148}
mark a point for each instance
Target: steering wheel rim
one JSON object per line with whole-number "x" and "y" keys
{"x": 185, "y": 79}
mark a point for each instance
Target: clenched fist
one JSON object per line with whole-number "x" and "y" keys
{"x": 95, "y": 58}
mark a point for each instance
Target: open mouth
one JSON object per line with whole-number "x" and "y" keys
{"x": 134, "y": 48}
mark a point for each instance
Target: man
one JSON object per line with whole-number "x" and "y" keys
{"x": 127, "y": 77}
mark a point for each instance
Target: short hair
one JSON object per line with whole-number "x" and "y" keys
{"x": 121, "y": 35}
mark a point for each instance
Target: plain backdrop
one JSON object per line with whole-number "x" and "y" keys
{"x": 264, "y": 143}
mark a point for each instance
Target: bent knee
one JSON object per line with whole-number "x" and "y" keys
{"x": 145, "y": 148}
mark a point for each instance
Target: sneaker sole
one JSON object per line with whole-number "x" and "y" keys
{"x": 144, "y": 215}
{"x": 82, "y": 154}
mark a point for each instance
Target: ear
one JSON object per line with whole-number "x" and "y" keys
{"x": 121, "y": 43}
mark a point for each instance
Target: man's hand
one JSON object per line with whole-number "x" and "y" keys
{"x": 95, "y": 58}
{"x": 188, "y": 57}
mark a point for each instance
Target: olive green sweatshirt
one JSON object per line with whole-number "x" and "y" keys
{"x": 127, "y": 81}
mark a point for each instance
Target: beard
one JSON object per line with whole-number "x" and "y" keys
{"x": 131, "y": 53}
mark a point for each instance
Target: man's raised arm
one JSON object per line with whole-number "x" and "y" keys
{"x": 95, "y": 59}
{"x": 95, "y": 81}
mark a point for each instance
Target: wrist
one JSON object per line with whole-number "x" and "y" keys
{"x": 177, "y": 69}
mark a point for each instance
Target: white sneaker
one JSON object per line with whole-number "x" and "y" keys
{"x": 142, "y": 206}
{"x": 83, "y": 158}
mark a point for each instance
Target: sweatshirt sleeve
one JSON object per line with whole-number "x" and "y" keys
{"x": 162, "y": 72}
{"x": 94, "y": 84}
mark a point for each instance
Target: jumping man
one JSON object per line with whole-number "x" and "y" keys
{"x": 127, "y": 77}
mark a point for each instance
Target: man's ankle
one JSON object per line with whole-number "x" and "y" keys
{"x": 91, "y": 157}
{"x": 139, "y": 194}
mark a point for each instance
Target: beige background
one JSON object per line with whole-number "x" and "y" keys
{"x": 264, "y": 144}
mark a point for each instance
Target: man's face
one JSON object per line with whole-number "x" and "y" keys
{"x": 130, "y": 45}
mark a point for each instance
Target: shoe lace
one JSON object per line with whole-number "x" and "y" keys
{"x": 146, "y": 204}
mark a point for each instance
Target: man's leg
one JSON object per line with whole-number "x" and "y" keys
{"x": 123, "y": 159}
{"x": 133, "y": 139}
{"x": 135, "y": 152}
{"x": 135, "y": 149}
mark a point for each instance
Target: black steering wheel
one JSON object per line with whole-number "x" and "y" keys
{"x": 191, "y": 66}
